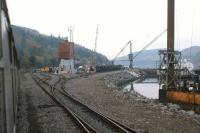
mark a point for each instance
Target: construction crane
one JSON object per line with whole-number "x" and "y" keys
{"x": 95, "y": 47}
{"x": 177, "y": 85}
{"x": 71, "y": 30}
{"x": 130, "y": 56}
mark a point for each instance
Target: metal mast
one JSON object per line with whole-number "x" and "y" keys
{"x": 169, "y": 70}
{"x": 71, "y": 30}
{"x": 95, "y": 46}
{"x": 170, "y": 44}
{"x": 131, "y": 56}
{"x": 170, "y": 25}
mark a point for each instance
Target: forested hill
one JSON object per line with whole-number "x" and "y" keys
{"x": 37, "y": 50}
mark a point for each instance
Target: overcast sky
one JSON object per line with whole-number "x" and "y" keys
{"x": 119, "y": 21}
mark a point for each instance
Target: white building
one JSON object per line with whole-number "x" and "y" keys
{"x": 67, "y": 66}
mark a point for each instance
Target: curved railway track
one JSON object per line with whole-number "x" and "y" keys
{"x": 89, "y": 120}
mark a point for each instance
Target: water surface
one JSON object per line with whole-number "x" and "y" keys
{"x": 148, "y": 88}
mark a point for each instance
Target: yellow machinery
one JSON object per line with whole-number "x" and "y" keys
{"x": 45, "y": 69}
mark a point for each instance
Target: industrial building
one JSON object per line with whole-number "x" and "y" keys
{"x": 66, "y": 57}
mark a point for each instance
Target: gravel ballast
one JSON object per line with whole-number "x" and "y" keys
{"x": 145, "y": 115}
{"x": 38, "y": 113}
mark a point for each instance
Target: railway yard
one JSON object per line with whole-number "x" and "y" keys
{"x": 89, "y": 103}
{"x": 51, "y": 84}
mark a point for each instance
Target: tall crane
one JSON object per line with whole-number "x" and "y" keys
{"x": 95, "y": 47}
{"x": 130, "y": 56}
{"x": 71, "y": 30}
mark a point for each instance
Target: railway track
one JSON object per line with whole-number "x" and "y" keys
{"x": 87, "y": 119}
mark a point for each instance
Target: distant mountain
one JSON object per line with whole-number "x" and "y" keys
{"x": 147, "y": 59}
{"x": 37, "y": 50}
{"x": 150, "y": 58}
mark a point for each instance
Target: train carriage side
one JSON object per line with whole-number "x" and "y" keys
{"x": 9, "y": 81}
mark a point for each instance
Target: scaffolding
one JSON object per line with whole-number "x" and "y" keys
{"x": 169, "y": 69}
{"x": 170, "y": 66}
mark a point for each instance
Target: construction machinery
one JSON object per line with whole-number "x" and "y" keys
{"x": 131, "y": 57}
{"x": 177, "y": 85}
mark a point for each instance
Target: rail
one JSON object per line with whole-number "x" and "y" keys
{"x": 95, "y": 122}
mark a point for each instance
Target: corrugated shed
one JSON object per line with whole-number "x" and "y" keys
{"x": 66, "y": 50}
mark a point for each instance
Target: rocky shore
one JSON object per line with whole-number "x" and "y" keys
{"x": 118, "y": 79}
{"x": 100, "y": 92}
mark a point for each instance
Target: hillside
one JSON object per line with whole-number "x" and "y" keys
{"x": 146, "y": 59}
{"x": 150, "y": 58}
{"x": 37, "y": 50}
